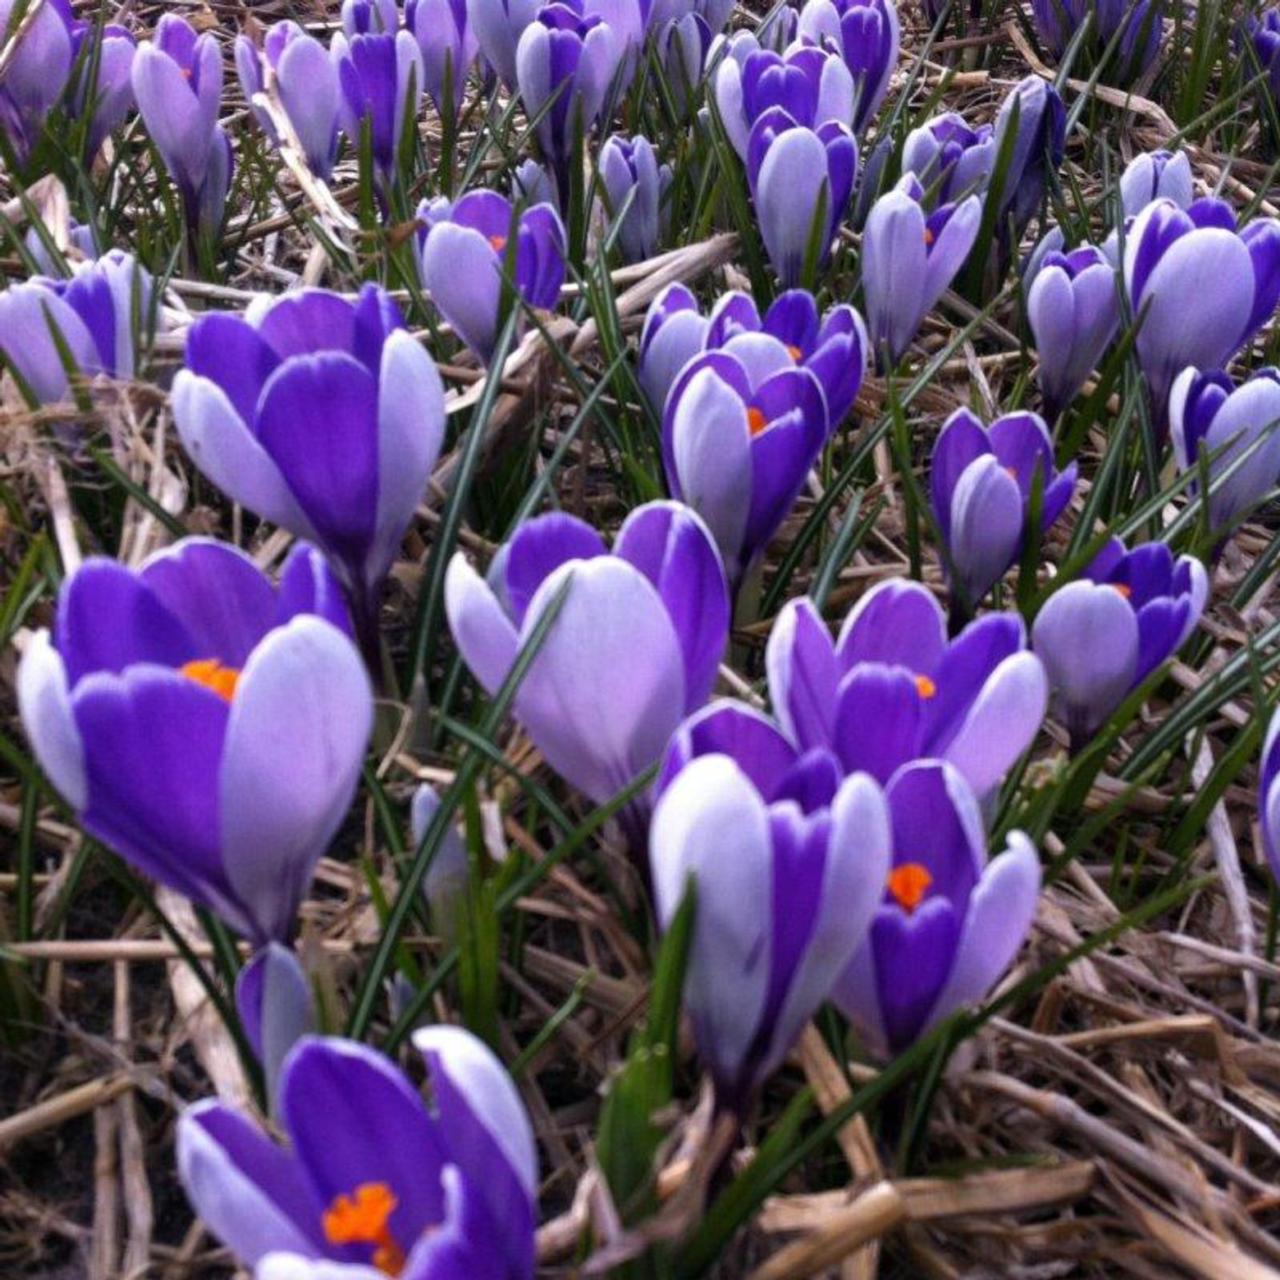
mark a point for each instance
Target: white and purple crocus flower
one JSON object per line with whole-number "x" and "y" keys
{"x": 449, "y": 48}
{"x": 466, "y": 252}
{"x": 1137, "y": 23}
{"x": 1035, "y": 152}
{"x": 206, "y": 725}
{"x": 373, "y": 1183}
{"x": 1156, "y": 175}
{"x": 950, "y": 159}
{"x": 1269, "y": 795}
{"x": 634, "y": 649}
{"x": 866, "y": 34}
{"x": 323, "y": 415}
{"x": 1100, "y": 637}
{"x": 635, "y": 187}
{"x": 949, "y": 923}
{"x": 980, "y": 486}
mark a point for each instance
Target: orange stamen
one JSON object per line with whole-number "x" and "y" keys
{"x": 756, "y": 421}
{"x": 213, "y": 675}
{"x": 925, "y": 687}
{"x": 363, "y": 1218}
{"x": 795, "y": 353}
{"x": 908, "y": 884}
{"x": 1123, "y": 588}
{"x": 499, "y": 243}
{"x": 928, "y": 237}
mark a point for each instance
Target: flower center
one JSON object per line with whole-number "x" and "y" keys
{"x": 928, "y": 237}
{"x": 213, "y": 675}
{"x": 925, "y": 687}
{"x": 795, "y": 353}
{"x": 363, "y": 1218}
{"x": 1123, "y": 588}
{"x": 756, "y": 421}
{"x": 908, "y": 884}
{"x": 499, "y": 243}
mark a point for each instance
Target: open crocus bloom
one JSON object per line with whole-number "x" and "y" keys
{"x": 634, "y": 649}
{"x": 206, "y": 726}
{"x": 373, "y": 1183}
{"x": 740, "y": 433}
{"x": 893, "y": 688}
{"x": 949, "y": 922}
{"x": 866, "y": 33}
{"x": 320, "y": 414}
{"x": 785, "y": 890}
{"x": 980, "y": 486}
{"x": 1100, "y": 637}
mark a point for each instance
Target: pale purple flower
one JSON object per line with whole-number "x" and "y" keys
{"x": 275, "y": 1007}
{"x": 682, "y": 45}
{"x": 950, "y": 159}
{"x": 1156, "y": 175}
{"x": 112, "y": 82}
{"x": 369, "y": 17}
{"x": 381, "y": 77}
{"x": 628, "y": 165}
{"x": 498, "y": 26}
{"x": 1138, "y": 23}
{"x": 38, "y": 71}
{"x": 1037, "y": 149}
{"x": 674, "y": 332}
{"x": 1269, "y": 795}
{"x": 447, "y": 40}
{"x": 866, "y": 34}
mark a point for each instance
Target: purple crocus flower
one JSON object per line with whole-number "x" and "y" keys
{"x": 793, "y": 172}
{"x": 682, "y": 45}
{"x": 92, "y": 314}
{"x": 949, "y": 923}
{"x": 369, "y": 17}
{"x": 38, "y": 70}
{"x": 81, "y": 246}
{"x": 447, "y": 40}
{"x": 634, "y": 649}
{"x": 866, "y": 34}
{"x": 322, "y": 415}
{"x": 1263, "y": 32}
{"x": 445, "y": 883}
{"x": 1099, "y": 638}
{"x": 946, "y": 154}
{"x": 1209, "y": 409}
{"x": 909, "y": 259}
{"x": 1137, "y": 21}
{"x": 532, "y": 183}
{"x": 206, "y": 726}
{"x": 893, "y": 689}
{"x": 466, "y": 251}
{"x": 739, "y": 436}
{"x": 276, "y": 1009}
{"x": 1036, "y": 151}
{"x": 1172, "y": 256}
{"x": 1155, "y": 175}
{"x": 112, "y": 84}
{"x": 674, "y": 331}
{"x": 1269, "y": 795}
{"x": 628, "y": 165}
{"x": 574, "y": 57}
{"x": 306, "y": 82}
{"x": 813, "y": 86}
{"x": 1074, "y": 311}
{"x": 373, "y": 1182}
{"x": 980, "y": 486}
{"x": 177, "y": 83}
{"x": 498, "y": 25}
{"x": 786, "y": 887}
{"x": 382, "y": 81}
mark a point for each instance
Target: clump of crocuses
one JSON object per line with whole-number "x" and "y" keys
{"x": 206, "y": 725}
{"x": 1102, "y": 636}
{"x": 1134, "y": 25}
{"x": 373, "y": 1182}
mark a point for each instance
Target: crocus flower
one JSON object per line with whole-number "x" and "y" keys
{"x": 739, "y": 436}
{"x": 369, "y": 17}
{"x": 1209, "y": 409}
{"x": 382, "y": 80}
{"x": 1137, "y": 21}
{"x": 177, "y": 83}
{"x": 1099, "y": 638}
{"x": 575, "y": 57}
{"x": 682, "y": 46}
{"x": 908, "y": 259}
{"x": 785, "y": 891}
{"x": 322, "y": 415}
{"x": 81, "y": 246}
{"x": 465, "y": 254}
{"x": 206, "y": 726}
{"x": 498, "y": 25}
{"x": 447, "y": 40}
{"x": 980, "y": 486}
{"x": 813, "y": 86}
{"x": 1036, "y": 151}
{"x": 92, "y": 314}
{"x": 38, "y": 70}
{"x": 633, "y": 650}
{"x": 626, "y": 166}
{"x": 949, "y": 923}
{"x": 793, "y": 172}
{"x": 1155, "y": 175}
{"x": 446, "y": 880}
{"x": 306, "y": 82}
{"x": 373, "y": 1182}
{"x": 103, "y": 94}
{"x": 1199, "y": 288}
{"x": 1269, "y": 795}
{"x": 674, "y": 332}
{"x": 945, "y": 154}
{"x": 893, "y": 689}
{"x": 866, "y": 34}
{"x": 532, "y": 183}
{"x": 276, "y": 1008}
{"x": 1074, "y": 312}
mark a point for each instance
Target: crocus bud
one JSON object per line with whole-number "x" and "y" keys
{"x": 205, "y": 725}
{"x": 949, "y": 923}
{"x": 634, "y": 648}
{"x": 738, "y": 438}
{"x": 372, "y": 1176}
{"x": 274, "y": 1002}
{"x": 1269, "y": 795}
{"x": 1074, "y": 311}
{"x": 381, "y": 78}
{"x": 1100, "y": 637}
{"x": 793, "y": 172}
{"x": 682, "y": 45}
{"x": 306, "y": 82}
{"x": 866, "y": 34}
{"x": 498, "y": 25}
{"x": 369, "y": 17}
{"x": 1263, "y": 31}
{"x": 1209, "y": 410}
{"x": 785, "y": 892}
{"x": 37, "y": 71}
{"x": 112, "y": 85}
{"x": 908, "y": 259}
{"x": 532, "y": 184}
{"x": 673, "y": 333}
{"x": 627, "y": 166}
{"x": 446, "y": 878}
{"x": 81, "y": 245}
{"x": 322, "y": 415}
{"x": 980, "y": 487}
{"x": 949, "y": 158}
{"x": 1036, "y": 150}
{"x": 1155, "y": 175}
{"x": 447, "y": 40}
{"x": 465, "y": 255}
{"x": 1173, "y": 256}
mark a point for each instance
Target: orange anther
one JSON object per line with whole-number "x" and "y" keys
{"x": 925, "y": 687}
{"x": 364, "y": 1218}
{"x": 213, "y": 675}
{"x": 908, "y": 884}
{"x": 756, "y": 421}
